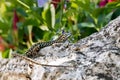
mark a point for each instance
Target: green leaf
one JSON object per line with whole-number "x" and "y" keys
{"x": 96, "y": 12}
{"x": 44, "y": 28}
{"x": 113, "y": 4}
{"x": 52, "y": 10}
{"x": 22, "y": 12}
{"x": 86, "y": 24}
{"x": 30, "y": 33}
{"x": 85, "y": 5}
{"x": 4, "y": 27}
{"x": 49, "y": 16}
{"x": 74, "y": 5}
{"x": 116, "y": 13}
{"x": 6, "y": 54}
{"x": 86, "y": 31}
{"x": 23, "y": 3}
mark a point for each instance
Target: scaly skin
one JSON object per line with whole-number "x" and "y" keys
{"x": 33, "y": 51}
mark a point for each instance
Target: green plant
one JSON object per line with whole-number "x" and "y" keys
{"x": 80, "y": 17}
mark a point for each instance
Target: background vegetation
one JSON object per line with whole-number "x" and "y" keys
{"x": 24, "y": 22}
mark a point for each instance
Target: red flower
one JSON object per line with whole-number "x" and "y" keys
{"x": 3, "y": 44}
{"x": 111, "y": 1}
{"x": 104, "y": 2}
{"x": 55, "y": 2}
{"x": 15, "y": 28}
{"x": 15, "y": 20}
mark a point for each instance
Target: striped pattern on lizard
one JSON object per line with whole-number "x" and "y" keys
{"x": 33, "y": 51}
{"x": 36, "y": 47}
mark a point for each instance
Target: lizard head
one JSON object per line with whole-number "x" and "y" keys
{"x": 63, "y": 37}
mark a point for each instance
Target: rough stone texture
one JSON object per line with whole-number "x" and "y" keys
{"x": 97, "y": 57}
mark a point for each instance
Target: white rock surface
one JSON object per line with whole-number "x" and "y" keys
{"x": 97, "y": 57}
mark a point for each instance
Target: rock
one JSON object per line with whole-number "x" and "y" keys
{"x": 96, "y": 57}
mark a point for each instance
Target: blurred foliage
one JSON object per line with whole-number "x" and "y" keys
{"x": 79, "y": 17}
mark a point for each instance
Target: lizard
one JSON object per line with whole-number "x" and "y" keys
{"x": 33, "y": 51}
{"x": 36, "y": 47}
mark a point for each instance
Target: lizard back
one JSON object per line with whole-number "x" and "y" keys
{"x": 33, "y": 51}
